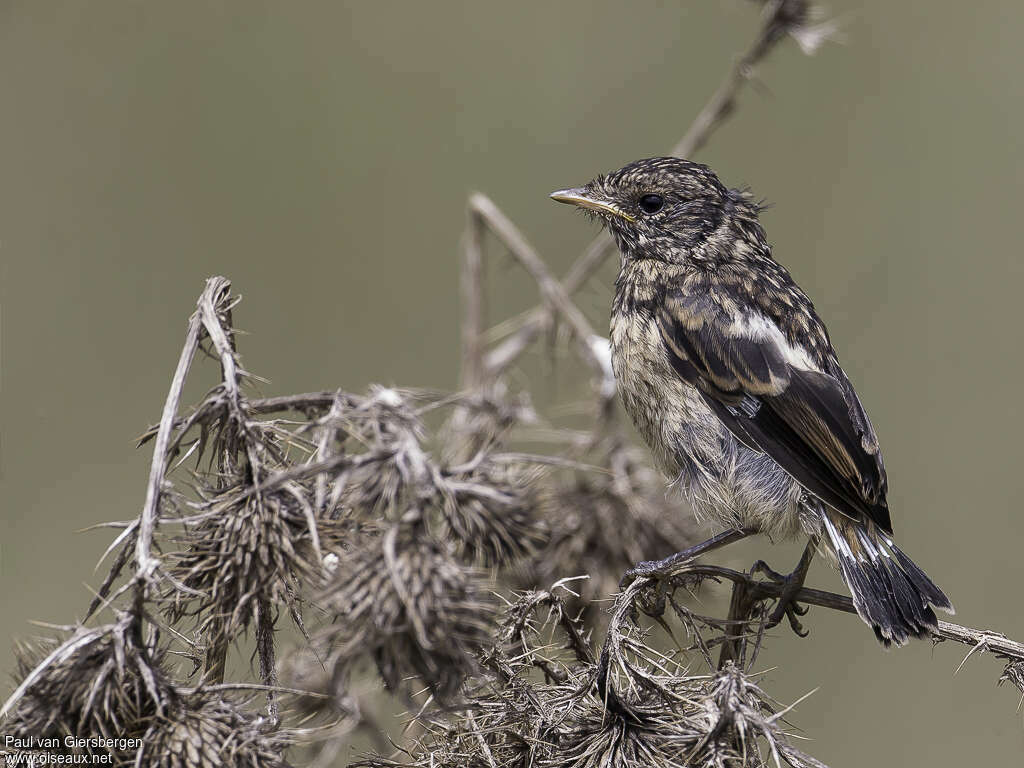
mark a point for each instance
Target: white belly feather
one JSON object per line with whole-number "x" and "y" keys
{"x": 722, "y": 479}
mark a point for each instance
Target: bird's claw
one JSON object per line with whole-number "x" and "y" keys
{"x": 655, "y": 570}
{"x": 633, "y": 574}
{"x": 790, "y": 610}
{"x": 787, "y": 607}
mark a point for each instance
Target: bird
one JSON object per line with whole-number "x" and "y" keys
{"x": 730, "y": 376}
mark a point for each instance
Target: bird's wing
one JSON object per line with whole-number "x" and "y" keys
{"x": 776, "y": 398}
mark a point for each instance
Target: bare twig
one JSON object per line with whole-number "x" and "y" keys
{"x": 147, "y": 565}
{"x": 552, "y": 291}
{"x": 473, "y": 309}
{"x": 741, "y": 605}
{"x": 781, "y": 18}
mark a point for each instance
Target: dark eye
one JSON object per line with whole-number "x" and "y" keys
{"x": 651, "y": 203}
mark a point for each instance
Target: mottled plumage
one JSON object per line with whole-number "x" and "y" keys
{"x": 730, "y": 376}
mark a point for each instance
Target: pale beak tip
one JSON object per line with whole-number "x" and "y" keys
{"x": 583, "y": 198}
{"x": 571, "y": 196}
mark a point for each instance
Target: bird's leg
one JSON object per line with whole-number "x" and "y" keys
{"x": 658, "y": 569}
{"x": 787, "y": 606}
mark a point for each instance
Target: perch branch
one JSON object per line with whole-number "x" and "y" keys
{"x": 756, "y": 590}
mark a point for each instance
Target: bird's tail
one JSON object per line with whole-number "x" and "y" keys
{"x": 891, "y": 594}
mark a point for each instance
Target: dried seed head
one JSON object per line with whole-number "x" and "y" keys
{"x": 388, "y": 427}
{"x": 673, "y": 719}
{"x": 96, "y": 683}
{"x": 207, "y": 731}
{"x": 418, "y": 611}
{"x": 486, "y": 505}
{"x": 491, "y": 510}
{"x": 253, "y": 547}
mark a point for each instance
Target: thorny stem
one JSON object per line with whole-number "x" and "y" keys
{"x": 575, "y": 637}
{"x": 741, "y": 607}
{"x": 147, "y": 564}
{"x": 265, "y": 651}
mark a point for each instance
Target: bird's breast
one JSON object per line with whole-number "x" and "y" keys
{"x": 721, "y": 478}
{"x": 670, "y": 414}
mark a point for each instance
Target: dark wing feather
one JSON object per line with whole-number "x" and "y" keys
{"x": 810, "y": 422}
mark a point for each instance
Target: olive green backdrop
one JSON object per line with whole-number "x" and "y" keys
{"x": 320, "y": 154}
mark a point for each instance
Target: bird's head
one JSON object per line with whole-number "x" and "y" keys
{"x": 662, "y": 208}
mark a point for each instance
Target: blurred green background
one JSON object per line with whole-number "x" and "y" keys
{"x": 320, "y": 154}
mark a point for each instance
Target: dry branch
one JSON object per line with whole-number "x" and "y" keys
{"x": 147, "y": 565}
{"x": 746, "y": 620}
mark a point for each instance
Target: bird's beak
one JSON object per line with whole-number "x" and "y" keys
{"x": 579, "y": 196}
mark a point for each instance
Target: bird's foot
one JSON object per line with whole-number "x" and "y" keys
{"x": 787, "y": 606}
{"x": 656, "y": 570}
{"x": 660, "y": 570}
{"x": 653, "y": 601}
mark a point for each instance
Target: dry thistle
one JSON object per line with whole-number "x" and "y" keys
{"x": 404, "y": 599}
{"x": 387, "y": 426}
{"x": 669, "y": 718}
{"x": 98, "y": 683}
{"x": 602, "y": 522}
{"x": 490, "y": 508}
{"x": 487, "y": 504}
{"x": 207, "y": 730}
{"x": 248, "y": 548}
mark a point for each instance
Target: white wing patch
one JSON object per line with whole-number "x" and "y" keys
{"x": 759, "y": 328}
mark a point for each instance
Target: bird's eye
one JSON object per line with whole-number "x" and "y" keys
{"x": 651, "y": 203}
